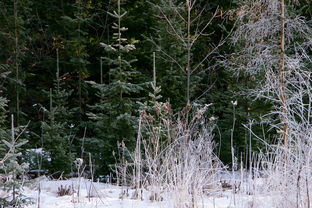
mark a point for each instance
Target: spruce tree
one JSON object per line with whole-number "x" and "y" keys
{"x": 59, "y": 134}
{"x": 76, "y": 45}
{"x": 59, "y": 131}
{"x": 115, "y": 115}
{"x": 14, "y": 18}
{"x": 8, "y": 146}
{"x": 12, "y": 171}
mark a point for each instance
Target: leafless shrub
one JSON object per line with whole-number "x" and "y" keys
{"x": 275, "y": 45}
{"x": 177, "y": 156}
{"x": 64, "y": 190}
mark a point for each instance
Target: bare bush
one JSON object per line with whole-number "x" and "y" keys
{"x": 64, "y": 190}
{"x": 275, "y": 46}
{"x": 177, "y": 156}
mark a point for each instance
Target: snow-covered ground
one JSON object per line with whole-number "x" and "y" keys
{"x": 106, "y": 195}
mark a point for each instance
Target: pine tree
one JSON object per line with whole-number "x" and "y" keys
{"x": 115, "y": 115}
{"x": 59, "y": 132}
{"x": 154, "y": 137}
{"x": 76, "y": 45}
{"x": 10, "y": 186}
{"x": 14, "y": 19}
{"x": 11, "y": 168}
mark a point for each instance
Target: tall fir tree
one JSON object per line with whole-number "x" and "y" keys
{"x": 59, "y": 132}
{"x": 14, "y": 18}
{"x": 12, "y": 171}
{"x": 115, "y": 115}
{"x": 76, "y": 45}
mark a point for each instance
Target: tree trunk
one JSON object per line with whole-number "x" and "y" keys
{"x": 16, "y": 64}
{"x": 282, "y": 81}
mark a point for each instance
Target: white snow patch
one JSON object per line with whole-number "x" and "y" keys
{"x": 106, "y": 195}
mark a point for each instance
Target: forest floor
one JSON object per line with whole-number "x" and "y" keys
{"x": 107, "y": 195}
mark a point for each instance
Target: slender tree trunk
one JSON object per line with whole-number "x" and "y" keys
{"x": 154, "y": 71}
{"x": 188, "y": 67}
{"x": 16, "y": 64}
{"x": 138, "y": 158}
{"x": 79, "y": 55}
{"x": 51, "y": 108}
{"x": 282, "y": 81}
{"x": 13, "y": 152}
{"x": 101, "y": 70}
{"x": 58, "y": 71}
{"x": 119, "y": 51}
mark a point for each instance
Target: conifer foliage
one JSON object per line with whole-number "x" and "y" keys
{"x": 100, "y": 97}
{"x": 58, "y": 132}
{"x": 12, "y": 171}
{"x": 115, "y": 114}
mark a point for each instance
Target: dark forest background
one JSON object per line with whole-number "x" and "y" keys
{"x": 63, "y": 71}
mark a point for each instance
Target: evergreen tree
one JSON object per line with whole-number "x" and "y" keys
{"x": 11, "y": 168}
{"x": 115, "y": 115}
{"x": 59, "y": 132}
{"x": 14, "y": 19}
{"x": 76, "y": 45}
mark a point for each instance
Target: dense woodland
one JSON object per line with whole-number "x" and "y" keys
{"x": 78, "y": 76}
